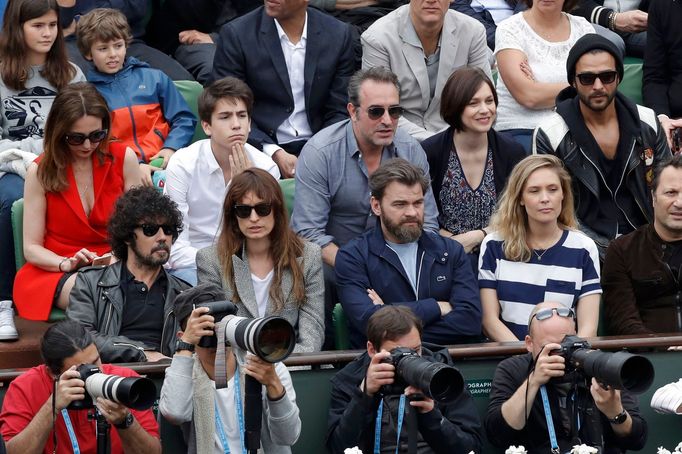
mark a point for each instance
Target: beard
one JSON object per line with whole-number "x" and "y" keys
{"x": 590, "y": 103}
{"x": 151, "y": 260}
{"x": 404, "y": 233}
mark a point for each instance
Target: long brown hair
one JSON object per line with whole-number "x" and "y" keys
{"x": 510, "y": 219}
{"x": 71, "y": 104}
{"x": 15, "y": 68}
{"x": 285, "y": 246}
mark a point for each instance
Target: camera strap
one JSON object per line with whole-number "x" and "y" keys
{"x": 220, "y": 428}
{"x": 220, "y": 360}
{"x": 550, "y": 421}
{"x": 377, "y": 425}
{"x": 69, "y": 429}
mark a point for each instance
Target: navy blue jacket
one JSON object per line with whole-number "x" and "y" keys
{"x": 249, "y": 49}
{"x": 443, "y": 274}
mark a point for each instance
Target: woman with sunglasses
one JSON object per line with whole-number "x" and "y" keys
{"x": 69, "y": 195}
{"x": 469, "y": 162}
{"x": 531, "y": 49}
{"x": 264, "y": 268}
{"x": 33, "y": 68}
{"x": 535, "y": 253}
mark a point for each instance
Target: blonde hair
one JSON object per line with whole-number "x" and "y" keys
{"x": 510, "y": 219}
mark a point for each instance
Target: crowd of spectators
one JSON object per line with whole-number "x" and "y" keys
{"x": 472, "y": 161}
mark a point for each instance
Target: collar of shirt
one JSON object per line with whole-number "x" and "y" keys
{"x": 127, "y": 277}
{"x": 283, "y": 36}
{"x": 207, "y": 159}
{"x": 412, "y": 38}
{"x": 352, "y": 143}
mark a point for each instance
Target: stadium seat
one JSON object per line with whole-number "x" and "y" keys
{"x": 190, "y": 90}
{"x": 18, "y": 234}
{"x": 287, "y": 186}
{"x": 341, "y": 334}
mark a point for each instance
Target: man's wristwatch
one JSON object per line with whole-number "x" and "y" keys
{"x": 182, "y": 345}
{"x": 619, "y": 418}
{"x": 127, "y": 421}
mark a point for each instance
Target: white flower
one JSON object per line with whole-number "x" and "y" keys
{"x": 514, "y": 450}
{"x": 662, "y": 450}
{"x": 583, "y": 449}
{"x": 353, "y": 450}
{"x": 678, "y": 448}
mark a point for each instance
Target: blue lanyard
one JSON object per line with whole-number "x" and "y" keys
{"x": 240, "y": 417}
{"x": 550, "y": 421}
{"x": 377, "y": 425}
{"x": 69, "y": 429}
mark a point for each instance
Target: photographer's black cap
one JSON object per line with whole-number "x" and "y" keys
{"x": 587, "y": 43}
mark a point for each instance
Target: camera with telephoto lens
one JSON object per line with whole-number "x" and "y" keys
{"x": 619, "y": 370}
{"x": 438, "y": 381}
{"x": 138, "y": 393}
{"x": 271, "y": 338}
{"x": 218, "y": 309}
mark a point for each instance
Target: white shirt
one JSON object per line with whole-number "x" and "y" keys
{"x": 498, "y": 9}
{"x": 261, "y": 288}
{"x": 296, "y": 127}
{"x": 195, "y": 182}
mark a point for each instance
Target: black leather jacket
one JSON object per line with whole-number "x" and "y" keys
{"x": 648, "y": 148}
{"x": 96, "y": 302}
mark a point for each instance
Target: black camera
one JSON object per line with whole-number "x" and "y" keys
{"x": 620, "y": 370}
{"x": 438, "y": 381}
{"x": 138, "y": 393}
{"x": 218, "y": 309}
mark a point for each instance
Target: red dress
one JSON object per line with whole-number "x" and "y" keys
{"x": 68, "y": 229}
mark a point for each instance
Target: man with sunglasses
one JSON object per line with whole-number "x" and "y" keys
{"x": 583, "y": 414}
{"x": 128, "y": 305}
{"x": 609, "y": 144}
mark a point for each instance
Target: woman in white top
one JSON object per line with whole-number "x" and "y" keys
{"x": 264, "y": 268}
{"x": 531, "y": 50}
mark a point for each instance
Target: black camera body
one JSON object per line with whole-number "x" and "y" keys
{"x": 219, "y": 310}
{"x": 438, "y": 381}
{"x": 138, "y": 393}
{"x": 620, "y": 370}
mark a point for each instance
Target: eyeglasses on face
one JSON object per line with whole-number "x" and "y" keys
{"x": 544, "y": 314}
{"x": 244, "y": 211}
{"x": 152, "y": 229}
{"x": 376, "y": 112}
{"x": 606, "y": 77}
{"x": 76, "y": 138}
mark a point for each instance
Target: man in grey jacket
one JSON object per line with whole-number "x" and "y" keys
{"x": 128, "y": 305}
{"x": 212, "y": 420}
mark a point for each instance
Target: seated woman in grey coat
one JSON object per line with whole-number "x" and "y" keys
{"x": 264, "y": 268}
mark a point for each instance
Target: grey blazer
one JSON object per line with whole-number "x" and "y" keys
{"x": 307, "y": 320}
{"x": 385, "y": 43}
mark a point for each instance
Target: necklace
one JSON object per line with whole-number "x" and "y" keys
{"x": 539, "y": 256}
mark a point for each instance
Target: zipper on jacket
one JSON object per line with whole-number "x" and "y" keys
{"x": 143, "y": 158}
{"x": 163, "y": 331}
{"x": 110, "y": 310}
{"x": 125, "y": 344}
{"x": 419, "y": 275}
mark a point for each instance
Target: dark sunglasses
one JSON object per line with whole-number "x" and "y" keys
{"x": 76, "y": 138}
{"x": 376, "y": 112}
{"x": 544, "y": 314}
{"x": 152, "y": 229}
{"x": 244, "y": 211}
{"x": 606, "y": 77}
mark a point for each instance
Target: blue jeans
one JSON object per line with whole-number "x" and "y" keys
{"x": 188, "y": 275}
{"x": 523, "y": 137}
{"x": 11, "y": 189}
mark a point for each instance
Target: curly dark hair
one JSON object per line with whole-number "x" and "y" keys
{"x": 137, "y": 206}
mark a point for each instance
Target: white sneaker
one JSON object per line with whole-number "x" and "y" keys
{"x": 668, "y": 399}
{"x": 7, "y": 330}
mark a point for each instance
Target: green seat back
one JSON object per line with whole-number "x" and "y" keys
{"x": 288, "y": 186}
{"x": 631, "y": 86}
{"x": 190, "y": 90}
{"x": 18, "y": 232}
{"x": 341, "y": 334}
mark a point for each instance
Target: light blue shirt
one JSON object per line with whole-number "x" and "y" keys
{"x": 407, "y": 253}
{"x": 331, "y": 200}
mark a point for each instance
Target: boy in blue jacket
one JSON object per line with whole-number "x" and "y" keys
{"x": 148, "y": 114}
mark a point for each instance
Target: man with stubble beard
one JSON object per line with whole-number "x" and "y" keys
{"x": 128, "y": 305}
{"x": 398, "y": 262}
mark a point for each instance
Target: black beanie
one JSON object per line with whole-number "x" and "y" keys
{"x": 586, "y": 44}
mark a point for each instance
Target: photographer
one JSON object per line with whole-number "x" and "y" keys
{"x": 36, "y": 402}
{"x": 358, "y": 402}
{"x": 211, "y": 419}
{"x": 582, "y": 414}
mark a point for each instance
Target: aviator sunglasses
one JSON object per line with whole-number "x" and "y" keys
{"x": 151, "y": 229}
{"x": 376, "y": 112}
{"x": 244, "y": 211}
{"x": 606, "y": 77}
{"x": 76, "y": 138}
{"x": 544, "y": 314}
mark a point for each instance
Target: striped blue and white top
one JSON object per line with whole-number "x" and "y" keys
{"x": 564, "y": 273}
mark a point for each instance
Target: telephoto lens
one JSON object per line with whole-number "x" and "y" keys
{"x": 138, "y": 393}
{"x": 272, "y": 338}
